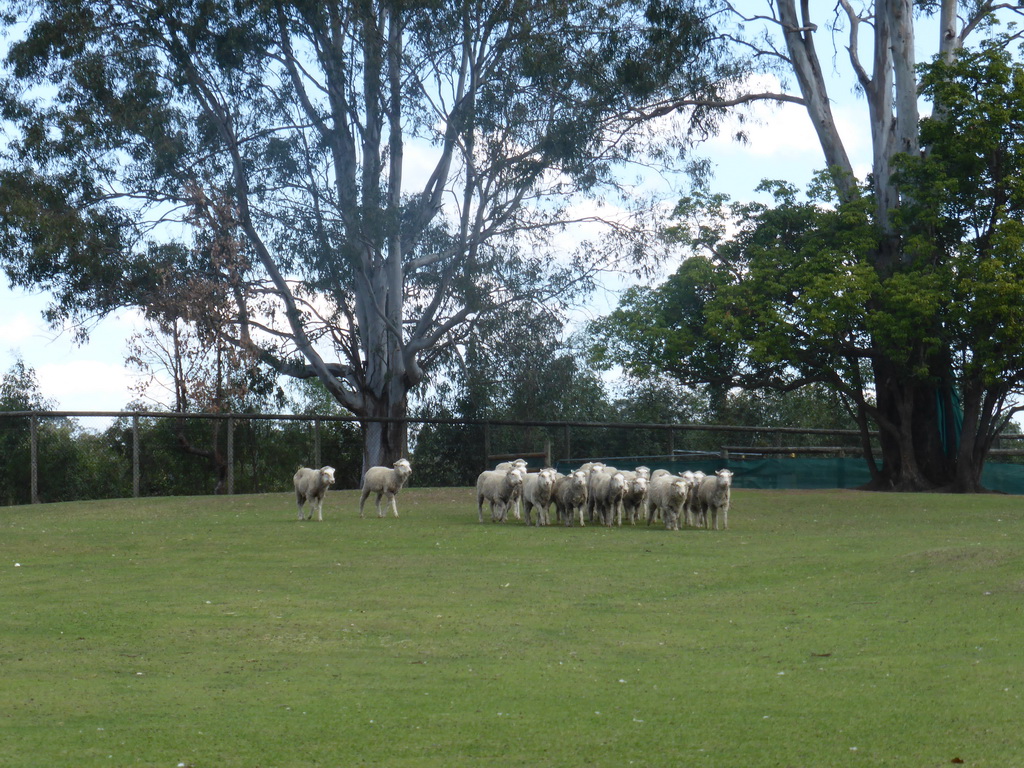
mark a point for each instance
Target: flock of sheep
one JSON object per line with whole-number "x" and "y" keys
{"x": 601, "y": 493}
{"x": 606, "y": 495}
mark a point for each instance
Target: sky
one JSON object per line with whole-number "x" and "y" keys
{"x": 92, "y": 376}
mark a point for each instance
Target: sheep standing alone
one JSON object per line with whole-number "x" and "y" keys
{"x": 311, "y": 485}
{"x": 713, "y": 496}
{"x": 538, "y": 490}
{"x": 498, "y": 488}
{"x": 385, "y": 482}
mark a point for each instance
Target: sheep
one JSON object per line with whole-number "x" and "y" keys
{"x": 311, "y": 485}
{"x": 698, "y": 520}
{"x": 385, "y": 482}
{"x": 659, "y": 473}
{"x": 604, "y": 496}
{"x": 597, "y": 470}
{"x": 521, "y": 465}
{"x": 713, "y": 496}
{"x": 690, "y": 505}
{"x": 571, "y": 495}
{"x": 635, "y": 498}
{"x": 538, "y": 490}
{"x": 498, "y": 487}
{"x": 667, "y": 496}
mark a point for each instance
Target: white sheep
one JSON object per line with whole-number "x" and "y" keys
{"x": 690, "y": 512}
{"x": 521, "y": 465}
{"x": 695, "y": 511}
{"x": 667, "y": 496}
{"x": 498, "y": 487}
{"x": 570, "y": 496}
{"x": 385, "y": 482}
{"x": 311, "y": 485}
{"x": 634, "y": 501}
{"x": 713, "y": 496}
{"x": 604, "y": 496}
{"x": 538, "y": 491}
{"x": 596, "y": 470}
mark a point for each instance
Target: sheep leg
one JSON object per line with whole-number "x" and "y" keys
{"x": 319, "y": 510}
{"x": 362, "y": 501}
{"x": 394, "y": 504}
{"x": 480, "y": 508}
{"x": 380, "y": 512}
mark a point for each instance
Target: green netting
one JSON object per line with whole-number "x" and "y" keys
{"x": 816, "y": 473}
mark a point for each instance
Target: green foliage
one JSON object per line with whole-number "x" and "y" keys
{"x": 824, "y": 628}
{"x": 515, "y": 366}
{"x": 128, "y": 123}
{"x": 71, "y": 463}
{"x": 965, "y": 214}
{"x": 782, "y": 298}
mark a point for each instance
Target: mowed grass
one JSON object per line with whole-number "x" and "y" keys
{"x": 823, "y": 629}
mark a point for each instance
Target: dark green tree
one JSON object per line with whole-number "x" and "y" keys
{"x": 881, "y": 48}
{"x": 801, "y": 301}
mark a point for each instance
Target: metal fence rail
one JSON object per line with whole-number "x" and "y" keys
{"x": 763, "y": 439}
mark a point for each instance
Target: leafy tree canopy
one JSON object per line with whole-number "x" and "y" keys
{"x": 781, "y": 296}
{"x": 341, "y": 189}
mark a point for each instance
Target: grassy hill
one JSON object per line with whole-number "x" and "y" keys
{"x": 825, "y": 628}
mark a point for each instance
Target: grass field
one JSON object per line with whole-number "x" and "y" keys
{"x": 824, "y": 629}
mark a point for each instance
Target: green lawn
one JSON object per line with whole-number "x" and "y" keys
{"x": 824, "y": 629}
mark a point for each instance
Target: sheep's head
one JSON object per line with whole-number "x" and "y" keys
{"x": 327, "y": 474}
{"x": 403, "y": 467}
{"x": 724, "y": 478}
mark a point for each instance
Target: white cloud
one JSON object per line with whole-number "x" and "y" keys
{"x": 781, "y": 141}
{"x": 17, "y": 330}
{"x": 85, "y": 384}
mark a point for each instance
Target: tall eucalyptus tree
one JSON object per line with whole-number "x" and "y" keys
{"x": 352, "y": 182}
{"x": 913, "y": 379}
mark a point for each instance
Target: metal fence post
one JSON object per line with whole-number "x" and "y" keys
{"x": 33, "y": 431}
{"x": 316, "y": 443}
{"x": 136, "y": 450}
{"x": 231, "y": 456}
{"x": 487, "y": 443}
